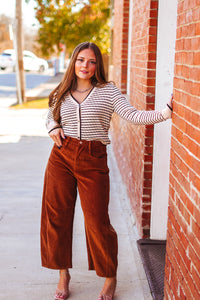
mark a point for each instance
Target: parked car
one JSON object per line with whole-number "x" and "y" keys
{"x": 34, "y": 63}
{"x": 7, "y": 59}
{"x": 30, "y": 60}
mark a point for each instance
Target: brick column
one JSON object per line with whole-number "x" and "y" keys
{"x": 133, "y": 145}
{"x": 120, "y": 43}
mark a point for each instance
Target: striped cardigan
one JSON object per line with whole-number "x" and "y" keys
{"x": 90, "y": 120}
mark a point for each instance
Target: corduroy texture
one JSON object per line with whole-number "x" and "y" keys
{"x": 81, "y": 164}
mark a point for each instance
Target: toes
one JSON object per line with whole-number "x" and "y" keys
{"x": 105, "y": 297}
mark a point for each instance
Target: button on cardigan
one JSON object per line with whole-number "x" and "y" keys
{"x": 90, "y": 120}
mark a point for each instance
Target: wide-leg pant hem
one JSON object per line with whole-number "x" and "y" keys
{"x": 63, "y": 267}
{"x": 70, "y": 267}
{"x": 103, "y": 275}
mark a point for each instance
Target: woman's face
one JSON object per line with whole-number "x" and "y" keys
{"x": 85, "y": 64}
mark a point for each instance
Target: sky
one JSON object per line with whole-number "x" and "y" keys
{"x": 8, "y": 8}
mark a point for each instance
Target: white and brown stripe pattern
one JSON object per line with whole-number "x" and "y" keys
{"x": 90, "y": 120}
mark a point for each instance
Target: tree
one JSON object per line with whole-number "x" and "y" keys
{"x": 5, "y": 41}
{"x": 30, "y": 36}
{"x": 71, "y": 22}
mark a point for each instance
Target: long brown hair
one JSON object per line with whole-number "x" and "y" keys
{"x": 69, "y": 81}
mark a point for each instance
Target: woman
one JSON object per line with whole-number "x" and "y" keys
{"x": 80, "y": 110}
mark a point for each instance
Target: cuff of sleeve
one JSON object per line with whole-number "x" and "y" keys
{"x": 166, "y": 113}
{"x": 51, "y": 124}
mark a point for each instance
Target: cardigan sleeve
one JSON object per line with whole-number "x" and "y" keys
{"x": 138, "y": 117}
{"x": 50, "y": 122}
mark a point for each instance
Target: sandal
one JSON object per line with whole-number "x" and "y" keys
{"x": 62, "y": 295}
{"x": 103, "y": 296}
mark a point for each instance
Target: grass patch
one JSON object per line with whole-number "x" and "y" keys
{"x": 33, "y": 104}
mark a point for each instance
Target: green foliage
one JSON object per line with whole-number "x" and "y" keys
{"x": 71, "y": 22}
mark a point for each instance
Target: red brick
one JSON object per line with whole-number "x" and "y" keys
{"x": 189, "y": 4}
{"x": 195, "y": 275}
{"x": 182, "y": 295}
{"x": 154, "y": 4}
{"x": 196, "y": 58}
{"x": 195, "y": 72}
{"x": 196, "y": 232}
{"x": 193, "y": 289}
{"x": 196, "y": 14}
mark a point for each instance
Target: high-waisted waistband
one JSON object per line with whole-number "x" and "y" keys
{"x": 83, "y": 142}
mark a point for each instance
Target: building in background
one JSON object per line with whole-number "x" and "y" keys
{"x": 156, "y": 51}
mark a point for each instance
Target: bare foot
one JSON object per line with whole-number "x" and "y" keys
{"x": 62, "y": 291}
{"x": 108, "y": 288}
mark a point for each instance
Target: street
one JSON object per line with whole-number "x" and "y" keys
{"x": 33, "y": 79}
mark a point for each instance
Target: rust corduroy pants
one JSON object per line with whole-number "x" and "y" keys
{"x": 82, "y": 165}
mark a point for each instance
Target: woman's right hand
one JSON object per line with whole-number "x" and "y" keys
{"x": 57, "y": 135}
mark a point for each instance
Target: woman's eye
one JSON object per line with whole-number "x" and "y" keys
{"x": 82, "y": 60}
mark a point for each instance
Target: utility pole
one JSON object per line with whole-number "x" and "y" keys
{"x": 19, "y": 53}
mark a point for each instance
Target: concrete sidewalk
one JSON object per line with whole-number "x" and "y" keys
{"x": 24, "y": 150}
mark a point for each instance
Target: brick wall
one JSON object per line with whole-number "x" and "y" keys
{"x": 120, "y": 57}
{"x": 133, "y": 145}
{"x": 182, "y": 280}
